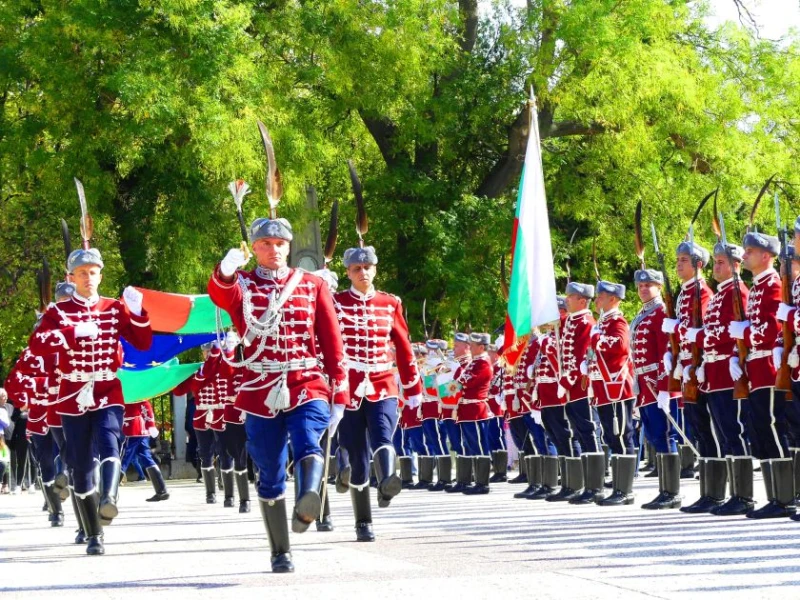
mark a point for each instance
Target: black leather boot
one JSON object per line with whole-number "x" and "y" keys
{"x": 713, "y": 480}
{"x": 308, "y": 477}
{"x": 669, "y": 466}
{"x": 463, "y": 475}
{"x": 687, "y": 461}
{"x": 483, "y": 465}
{"x": 655, "y": 461}
{"x": 243, "y": 488}
{"x": 227, "y": 486}
{"x": 333, "y": 469}
{"x": 54, "y": 507}
{"x": 594, "y": 474}
{"x": 533, "y": 466}
{"x": 61, "y": 485}
{"x": 209, "y": 479}
{"x": 109, "y": 489}
{"x": 389, "y": 484}
{"x": 88, "y": 508}
{"x": 406, "y": 472}
{"x": 273, "y": 513}
{"x": 362, "y": 510}
{"x": 522, "y": 477}
{"x": 159, "y": 485}
{"x": 550, "y": 466}
{"x": 425, "y": 473}
{"x": 80, "y": 535}
{"x": 780, "y": 490}
{"x": 444, "y": 465}
{"x": 500, "y": 464}
{"x": 343, "y": 479}
{"x": 650, "y": 458}
{"x": 741, "y": 500}
{"x": 796, "y": 473}
{"x": 571, "y": 480}
{"x": 623, "y": 469}
{"x": 325, "y": 524}
{"x": 373, "y": 478}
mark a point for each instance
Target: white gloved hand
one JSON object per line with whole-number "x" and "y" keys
{"x": 669, "y": 325}
{"x": 530, "y": 372}
{"x": 686, "y": 375}
{"x": 736, "y": 329}
{"x": 701, "y": 373}
{"x": 794, "y": 359}
{"x": 414, "y": 401}
{"x": 667, "y": 362}
{"x": 537, "y": 416}
{"x": 153, "y": 431}
{"x": 337, "y": 412}
{"x": 329, "y": 277}
{"x": 777, "y": 356}
{"x": 595, "y": 330}
{"x": 133, "y": 300}
{"x": 784, "y": 310}
{"x": 734, "y": 368}
{"x": 562, "y": 391}
{"x": 692, "y": 333}
{"x": 234, "y": 259}
{"x": 89, "y": 329}
{"x": 584, "y": 368}
{"x": 663, "y": 401}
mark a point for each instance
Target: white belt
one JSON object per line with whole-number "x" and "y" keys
{"x": 712, "y": 357}
{"x": 758, "y": 354}
{"x": 647, "y": 369}
{"x": 369, "y": 368}
{"x": 546, "y": 380}
{"x": 684, "y": 355}
{"x": 81, "y": 377}
{"x": 274, "y": 366}
{"x": 594, "y": 376}
{"x": 206, "y": 406}
{"x": 470, "y": 401}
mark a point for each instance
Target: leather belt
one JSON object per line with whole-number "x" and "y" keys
{"x": 758, "y": 354}
{"x": 471, "y": 401}
{"x": 274, "y": 366}
{"x": 369, "y": 368}
{"x": 712, "y": 357}
{"x": 647, "y": 369}
{"x": 546, "y": 379}
{"x": 81, "y": 377}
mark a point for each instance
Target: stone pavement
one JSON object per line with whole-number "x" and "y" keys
{"x": 429, "y": 545}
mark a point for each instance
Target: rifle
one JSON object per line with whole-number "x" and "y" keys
{"x": 669, "y": 305}
{"x": 783, "y": 379}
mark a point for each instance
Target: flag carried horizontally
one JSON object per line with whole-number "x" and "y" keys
{"x": 532, "y": 295}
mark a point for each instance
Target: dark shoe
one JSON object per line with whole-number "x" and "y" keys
{"x": 389, "y": 484}
{"x": 308, "y": 477}
{"x": 273, "y": 513}
{"x": 325, "y": 524}
{"x": 343, "y": 480}
{"x": 549, "y": 478}
{"x": 741, "y": 500}
{"x": 669, "y": 466}
{"x": 426, "y": 464}
{"x": 88, "y": 508}
{"x": 571, "y": 481}
{"x": 463, "y": 475}
{"x": 209, "y": 479}
{"x": 444, "y": 465}
{"x": 364, "y": 532}
{"x": 227, "y": 486}
{"x": 362, "y": 510}
{"x": 594, "y": 470}
{"x": 406, "y": 472}
{"x": 159, "y": 485}
{"x": 109, "y": 489}
{"x": 61, "y": 485}
{"x": 483, "y": 465}
{"x": 779, "y": 481}
{"x": 500, "y": 466}
{"x": 687, "y": 462}
{"x": 243, "y": 488}
{"x": 522, "y": 477}
{"x": 713, "y": 480}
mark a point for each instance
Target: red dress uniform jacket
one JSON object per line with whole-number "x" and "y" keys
{"x": 409, "y": 417}
{"x": 306, "y": 328}
{"x": 88, "y": 361}
{"x": 431, "y": 404}
{"x": 32, "y": 385}
{"x": 228, "y": 383}
{"x": 610, "y": 372}
{"x": 717, "y": 344}
{"x": 138, "y": 419}
{"x": 684, "y": 308}
{"x": 205, "y": 397}
{"x": 521, "y": 402}
{"x": 497, "y": 390}
{"x": 574, "y": 344}
{"x": 649, "y": 346}
{"x": 764, "y": 331}
{"x": 475, "y": 379}
{"x": 370, "y": 323}
{"x": 794, "y": 321}
{"x": 546, "y": 374}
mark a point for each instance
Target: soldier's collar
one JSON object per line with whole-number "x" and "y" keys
{"x": 763, "y": 275}
{"x": 613, "y": 311}
{"x": 580, "y": 312}
{"x": 368, "y": 296}
{"x": 275, "y": 274}
{"x": 651, "y": 304}
{"x": 723, "y": 284}
{"x": 482, "y": 355}
{"x": 86, "y": 301}
{"x": 687, "y": 284}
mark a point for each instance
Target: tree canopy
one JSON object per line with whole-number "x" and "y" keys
{"x": 152, "y": 104}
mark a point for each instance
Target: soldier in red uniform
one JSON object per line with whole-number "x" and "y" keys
{"x": 286, "y": 320}
{"x": 649, "y": 343}
{"x": 138, "y": 426}
{"x": 495, "y": 426}
{"x": 449, "y": 424}
{"x": 85, "y": 331}
{"x": 370, "y": 321}
{"x": 431, "y": 369}
{"x": 728, "y": 415}
{"x": 608, "y": 367}
{"x": 408, "y": 438}
{"x": 766, "y": 427}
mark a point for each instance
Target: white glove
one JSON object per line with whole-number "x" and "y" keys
{"x": 414, "y": 401}
{"x": 234, "y": 259}
{"x": 594, "y": 331}
{"x": 530, "y": 372}
{"x": 537, "y": 416}
{"x": 784, "y": 310}
{"x": 691, "y": 333}
{"x": 794, "y": 359}
{"x": 133, "y": 300}
{"x": 153, "y": 431}
{"x": 687, "y": 374}
{"x": 669, "y": 325}
{"x": 734, "y": 368}
{"x": 584, "y": 368}
{"x": 777, "y": 356}
{"x": 663, "y": 401}
{"x": 562, "y": 391}
{"x": 329, "y": 277}
{"x": 701, "y": 373}
{"x": 736, "y": 329}
{"x": 89, "y": 330}
{"x": 667, "y": 362}
{"x": 337, "y": 412}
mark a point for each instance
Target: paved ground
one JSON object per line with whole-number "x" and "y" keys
{"x": 428, "y": 545}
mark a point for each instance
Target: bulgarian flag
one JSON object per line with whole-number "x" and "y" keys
{"x": 532, "y": 294}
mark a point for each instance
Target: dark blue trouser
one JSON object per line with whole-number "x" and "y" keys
{"x": 521, "y": 436}
{"x": 793, "y": 416}
{"x": 138, "y": 448}
{"x": 657, "y": 429}
{"x": 541, "y": 442}
{"x": 209, "y": 443}
{"x": 495, "y": 434}
{"x": 409, "y": 441}
{"x": 365, "y": 430}
{"x": 698, "y": 417}
{"x": 579, "y": 414}
{"x": 234, "y": 439}
{"x": 95, "y": 431}
{"x": 766, "y": 427}
{"x": 473, "y": 436}
{"x": 452, "y": 432}
{"x": 559, "y": 430}
{"x": 44, "y": 451}
{"x": 729, "y": 419}
{"x": 434, "y": 439}
{"x": 268, "y": 440}
{"x": 620, "y": 442}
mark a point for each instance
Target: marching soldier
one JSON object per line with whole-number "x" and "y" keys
{"x": 437, "y": 455}
{"x": 729, "y": 415}
{"x": 370, "y": 322}
{"x": 760, "y": 332}
{"x": 234, "y": 436}
{"x": 788, "y": 313}
{"x": 649, "y": 345}
{"x": 495, "y": 426}
{"x": 138, "y": 426}
{"x": 449, "y": 425}
{"x": 409, "y": 438}
{"x": 610, "y": 373}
